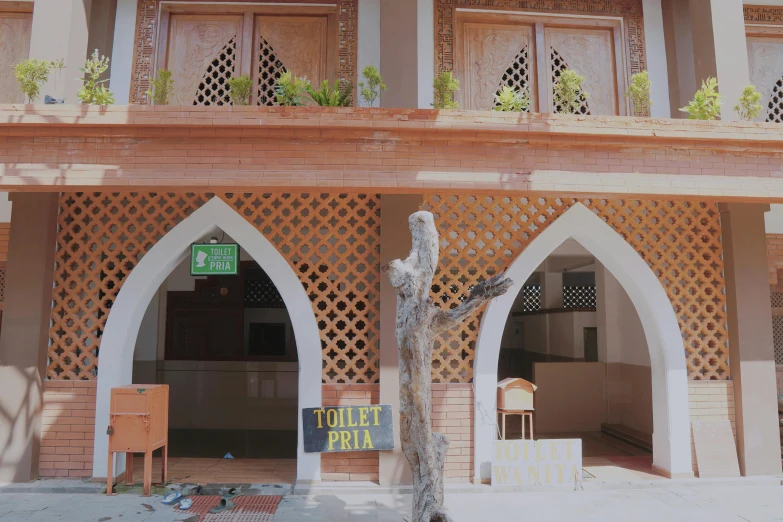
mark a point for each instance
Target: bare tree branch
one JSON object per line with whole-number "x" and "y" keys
{"x": 479, "y": 294}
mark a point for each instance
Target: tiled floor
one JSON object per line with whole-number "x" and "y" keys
{"x": 221, "y": 471}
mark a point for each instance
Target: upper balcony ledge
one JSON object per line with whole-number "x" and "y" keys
{"x": 17, "y": 119}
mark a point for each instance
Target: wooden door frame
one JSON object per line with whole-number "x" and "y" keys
{"x": 250, "y": 12}
{"x": 540, "y": 22}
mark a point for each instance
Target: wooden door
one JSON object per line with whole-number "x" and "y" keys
{"x": 14, "y": 47}
{"x": 591, "y": 53}
{"x": 765, "y": 58}
{"x": 203, "y": 53}
{"x": 493, "y": 55}
{"x": 298, "y": 44}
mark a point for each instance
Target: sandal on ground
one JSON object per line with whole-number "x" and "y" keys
{"x": 185, "y": 504}
{"x": 225, "y": 505}
{"x": 171, "y": 498}
{"x": 231, "y": 493}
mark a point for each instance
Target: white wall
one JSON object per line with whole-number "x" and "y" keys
{"x": 147, "y": 341}
{"x": 632, "y": 340}
{"x": 122, "y": 50}
{"x": 5, "y": 208}
{"x": 773, "y": 219}
{"x": 566, "y": 333}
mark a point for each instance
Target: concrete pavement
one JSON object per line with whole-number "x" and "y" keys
{"x": 713, "y": 503}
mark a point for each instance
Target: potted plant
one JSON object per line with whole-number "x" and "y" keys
{"x": 444, "y": 88}
{"x": 93, "y": 92}
{"x": 372, "y": 86}
{"x": 31, "y": 74}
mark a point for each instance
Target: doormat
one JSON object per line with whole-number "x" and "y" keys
{"x": 256, "y": 508}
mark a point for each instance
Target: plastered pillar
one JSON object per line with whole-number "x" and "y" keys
{"x": 395, "y": 244}
{"x": 655, "y": 45}
{"x": 720, "y": 48}
{"x": 407, "y": 52}
{"x": 122, "y": 50}
{"x": 60, "y": 31}
{"x": 751, "y": 352}
{"x": 679, "y": 54}
{"x": 24, "y": 336}
{"x": 607, "y": 315}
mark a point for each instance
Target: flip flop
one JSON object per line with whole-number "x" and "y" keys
{"x": 225, "y": 505}
{"x": 171, "y": 498}
{"x": 185, "y": 504}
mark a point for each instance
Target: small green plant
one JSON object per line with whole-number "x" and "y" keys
{"x": 290, "y": 90}
{"x": 511, "y": 100}
{"x": 93, "y": 92}
{"x": 639, "y": 93}
{"x": 371, "y": 90}
{"x": 161, "y": 88}
{"x": 239, "y": 90}
{"x": 706, "y": 103}
{"x": 749, "y": 105}
{"x": 444, "y": 87}
{"x": 32, "y": 74}
{"x": 339, "y": 96}
{"x": 568, "y": 93}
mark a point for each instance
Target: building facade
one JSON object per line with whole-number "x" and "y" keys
{"x": 637, "y": 244}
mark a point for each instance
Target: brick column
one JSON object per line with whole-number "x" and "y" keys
{"x": 24, "y": 336}
{"x": 60, "y": 31}
{"x": 720, "y": 48}
{"x": 395, "y": 244}
{"x": 751, "y": 353}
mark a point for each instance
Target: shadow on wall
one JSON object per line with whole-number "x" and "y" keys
{"x": 13, "y": 467}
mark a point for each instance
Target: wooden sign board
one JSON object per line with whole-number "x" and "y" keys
{"x": 716, "y": 450}
{"x": 348, "y": 428}
{"x": 534, "y": 463}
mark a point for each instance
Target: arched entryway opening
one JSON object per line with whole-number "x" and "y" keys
{"x": 122, "y": 327}
{"x": 671, "y": 432}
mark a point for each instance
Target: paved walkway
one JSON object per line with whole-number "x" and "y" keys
{"x": 718, "y": 503}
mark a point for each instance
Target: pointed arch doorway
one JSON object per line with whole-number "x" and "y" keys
{"x": 122, "y": 328}
{"x": 671, "y": 426}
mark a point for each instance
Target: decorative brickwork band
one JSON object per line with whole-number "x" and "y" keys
{"x": 629, "y": 10}
{"x": 330, "y": 241}
{"x": 679, "y": 240}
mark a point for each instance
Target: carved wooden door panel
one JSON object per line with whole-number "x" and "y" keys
{"x": 491, "y": 56}
{"x": 14, "y": 47}
{"x": 203, "y": 53}
{"x": 289, "y": 43}
{"x": 590, "y": 52}
{"x": 765, "y": 58}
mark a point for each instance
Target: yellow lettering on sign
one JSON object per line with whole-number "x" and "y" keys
{"x": 560, "y": 470}
{"x": 512, "y": 450}
{"x": 351, "y": 423}
{"x": 375, "y": 410}
{"x": 367, "y": 444}
{"x": 331, "y": 418}
{"x": 342, "y": 421}
{"x": 568, "y": 445}
{"x": 500, "y": 473}
{"x": 548, "y": 473}
{"x": 319, "y": 414}
{"x": 355, "y": 439}
{"x": 553, "y": 451}
{"x": 333, "y": 436}
{"x": 345, "y": 440}
{"x": 363, "y": 416}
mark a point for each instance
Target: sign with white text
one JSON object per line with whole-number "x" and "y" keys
{"x": 214, "y": 259}
{"x": 535, "y": 463}
{"x": 348, "y": 428}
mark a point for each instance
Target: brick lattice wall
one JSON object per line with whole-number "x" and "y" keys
{"x": 68, "y": 429}
{"x": 352, "y": 465}
{"x": 775, "y": 258}
{"x": 710, "y": 401}
{"x": 452, "y": 415}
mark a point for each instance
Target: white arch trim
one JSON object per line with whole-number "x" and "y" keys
{"x": 671, "y": 424}
{"x": 122, "y": 327}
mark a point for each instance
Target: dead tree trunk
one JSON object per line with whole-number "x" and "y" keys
{"x": 418, "y": 322}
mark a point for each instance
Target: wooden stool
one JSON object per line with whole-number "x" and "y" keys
{"x": 523, "y": 413}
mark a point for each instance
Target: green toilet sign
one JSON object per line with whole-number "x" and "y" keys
{"x": 214, "y": 259}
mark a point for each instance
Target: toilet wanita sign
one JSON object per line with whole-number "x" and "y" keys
{"x": 534, "y": 463}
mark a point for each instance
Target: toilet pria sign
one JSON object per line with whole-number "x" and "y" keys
{"x": 534, "y": 463}
{"x": 348, "y": 428}
{"x": 214, "y": 259}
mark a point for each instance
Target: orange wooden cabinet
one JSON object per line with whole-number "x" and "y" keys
{"x": 138, "y": 423}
